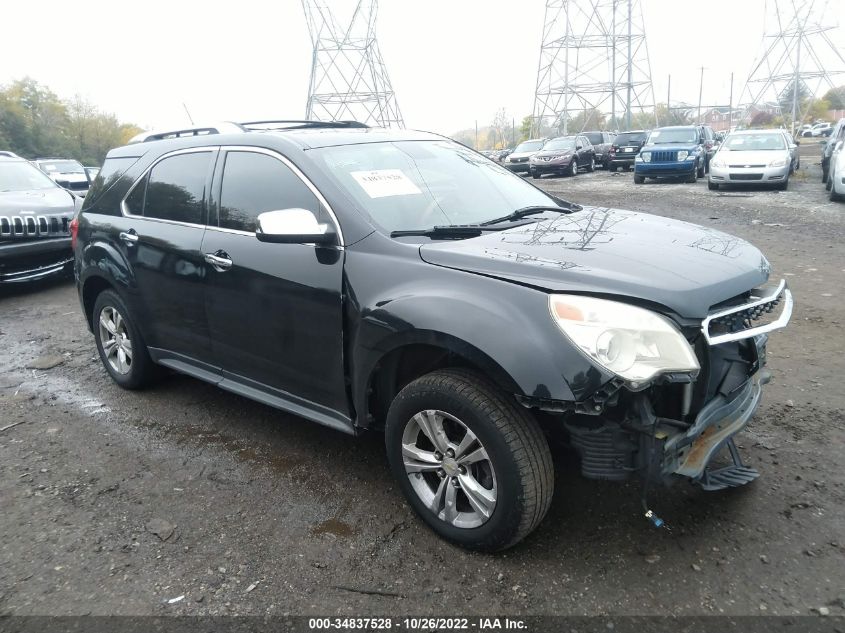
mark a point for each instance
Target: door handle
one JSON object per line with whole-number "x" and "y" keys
{"x": 219, "y": 261}
{"x": 129, "y": 237}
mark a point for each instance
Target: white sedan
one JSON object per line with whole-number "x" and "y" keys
{"x": 756, "y": 157}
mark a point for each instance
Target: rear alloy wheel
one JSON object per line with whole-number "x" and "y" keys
{"x": 121, "y": 348}
{"x": 472, "y": 463}
{"x": 573, "y": 167}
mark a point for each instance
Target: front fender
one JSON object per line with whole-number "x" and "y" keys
{"x": 502, "y": 327}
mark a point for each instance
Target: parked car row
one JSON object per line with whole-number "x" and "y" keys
{"x": 833, "y": 163}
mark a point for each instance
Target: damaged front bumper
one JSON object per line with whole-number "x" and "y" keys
{"x": 678, "y": 425}
{"x": 688, "y": 453}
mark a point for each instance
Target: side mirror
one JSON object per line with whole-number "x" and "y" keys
{"x": 293, "y": 226}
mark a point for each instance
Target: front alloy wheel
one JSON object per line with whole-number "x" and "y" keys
{"x": 473, "y": 464}
{"x": 449, "y": 469}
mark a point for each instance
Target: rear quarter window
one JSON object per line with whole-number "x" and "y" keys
{"x": 110, "y": 173}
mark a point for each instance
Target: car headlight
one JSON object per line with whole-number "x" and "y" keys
{"x": 717, "y": 162}
{"x": 645, "y": 157}
{"x": 778, "y": 162}
{"x": 682, "y": 155}
{"x": 634, "y": 343}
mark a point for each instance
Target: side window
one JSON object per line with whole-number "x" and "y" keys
{"x": 135, "y": 200}
{"x": 176, "y": 187}
{"x": 254, "y": 183}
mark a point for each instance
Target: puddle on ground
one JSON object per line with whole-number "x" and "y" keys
{"x": 333, "y": 526}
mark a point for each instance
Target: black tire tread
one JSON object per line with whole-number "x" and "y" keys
{"x": 520, "y": 431}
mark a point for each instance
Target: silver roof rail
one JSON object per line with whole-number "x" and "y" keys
{"x": 222, "y": 127}
{"x": 299, "y": 124}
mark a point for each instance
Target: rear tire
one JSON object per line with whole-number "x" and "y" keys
{"x": 512, "y": 466}
{"x": 834, "y": 196}
{"x": 120, "y": 345}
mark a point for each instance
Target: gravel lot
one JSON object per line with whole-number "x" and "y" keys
{"x": 116, "y": 502}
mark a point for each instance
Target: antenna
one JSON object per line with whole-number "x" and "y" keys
{"x": 798, "y": 58}
{"x": 188, "y": 113}
{"x": 593, "y": 61}
{"x": 349, "y": 80}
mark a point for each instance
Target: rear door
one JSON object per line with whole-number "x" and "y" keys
{"x": 274, "y": 310}
{"x": 161, "y": 234}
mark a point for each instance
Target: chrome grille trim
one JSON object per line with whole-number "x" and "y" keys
{"x": 752, "y": 309}
{"x": 32, "y": 226}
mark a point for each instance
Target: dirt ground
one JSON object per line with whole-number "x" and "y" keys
{"x": 115, "y": 502}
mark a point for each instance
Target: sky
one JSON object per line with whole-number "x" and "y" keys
{"x": 451, "y": 62}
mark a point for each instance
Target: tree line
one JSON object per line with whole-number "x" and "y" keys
{"x": 35, "y": 122}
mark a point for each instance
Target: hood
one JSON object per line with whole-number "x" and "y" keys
{"x": 684, "y": 267}
{"x": 39, "y": 201}
{"x": 548, "y": 153}
{"x": 671, "y": 147}
{"x": 523, "y": 154}
{"x": 70, "y": 176}
{"x": 752, "y": 157}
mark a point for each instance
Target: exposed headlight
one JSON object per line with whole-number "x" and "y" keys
{"x": 778, "y": 162}
{"x": 633, "y": 343}
{"x": 717, "y": 162}
{"x": 645, "y": 157}
{"x": 682, "y": 155}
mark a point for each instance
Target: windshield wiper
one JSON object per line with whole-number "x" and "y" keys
{"x": 564, "y": 207}
{"x": 445, "y": 231}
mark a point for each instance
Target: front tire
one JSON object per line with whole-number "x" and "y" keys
{"x": 592, "y": 166}
{"x": 122, "y": 349}
{"x": 573, "y": 168}
{"x": 473, "y": 464}
{"x": 638, "y": 180}
{"x": 834, "y": 195}
{"x": 712, "y": 186}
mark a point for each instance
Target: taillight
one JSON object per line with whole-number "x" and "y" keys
{"x": 74, "y": 229}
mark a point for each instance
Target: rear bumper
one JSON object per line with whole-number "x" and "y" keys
{"x": 37, "y": 259}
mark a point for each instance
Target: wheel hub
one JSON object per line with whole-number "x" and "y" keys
{"x": 450, "y": 466}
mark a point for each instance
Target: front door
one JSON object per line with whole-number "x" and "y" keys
{"x": 274, "y": 310}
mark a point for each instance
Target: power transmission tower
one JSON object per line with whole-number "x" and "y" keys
{"x": 349, "y": 80}
{"x": 593, "y": 60}
{"x": 798, "y": 58}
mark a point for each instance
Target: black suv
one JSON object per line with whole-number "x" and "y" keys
{"x": 601, "y": 142}
{"x": 35, "y": 218}
{"x": 371, "y": 279}
{"x": 624, "y": 149}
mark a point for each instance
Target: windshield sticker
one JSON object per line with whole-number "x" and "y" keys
{"x": 381, "y": 183}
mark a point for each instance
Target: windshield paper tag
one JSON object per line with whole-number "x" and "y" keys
{"x": 381, "y": 183}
